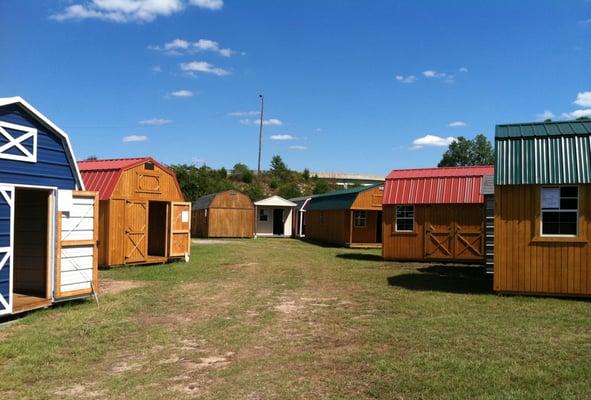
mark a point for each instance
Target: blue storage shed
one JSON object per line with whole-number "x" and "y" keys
{"x": 48, "y": 223}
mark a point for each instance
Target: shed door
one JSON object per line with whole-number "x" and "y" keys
{"x": 469, "y": 233}
{"x": 6, "y": 218}
{"x": 438, "y": 233}
{"x": 76, "y": 267}
{"x": 136, "y": 226}
{"x": 180, "y": 229}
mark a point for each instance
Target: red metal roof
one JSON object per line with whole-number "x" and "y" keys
{"x": 452, "y": 185}
{"x": 102, "y": 175}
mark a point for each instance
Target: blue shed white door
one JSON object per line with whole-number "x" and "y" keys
{"x": 6, "y": 231}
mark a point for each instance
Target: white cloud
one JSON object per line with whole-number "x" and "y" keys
{"x": 270, "y": 121}
{"x": 463, "y": 69}
{"x": 156, "y": 121}
{"x": 204, "y": 67}
{"x": 282, "y": 137}
{"x": 182, "y": 46}
{"x": 578, "y": 114}
{"x": 406, "y": 79}
{"x": 318, "y": 130}
{"x": 547, "y": 114}
{"x": 434, "y": 74}
{"x": 123, "y": 11}
{"x": 156, "y": 68}
{"x": 583, "y": 99}
{"x": 298, "y": 147}
{"x": 457, "y": 124}
{"x": 134, "y": 138}
{"x": 182, "y": 93}
{"x": 432, "y": 140}
{"x": 208, "y": 4}
{"x": 243, "y": 113}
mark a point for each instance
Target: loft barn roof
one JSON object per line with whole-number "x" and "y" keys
{"x": 339, "y": 200}
{"x": 206, "y": 201}
{"x": 103, "y": 175}
{"x": 543, "y": 153}
{"x": 450, "y": 185}
{"x": 47, "y": 152}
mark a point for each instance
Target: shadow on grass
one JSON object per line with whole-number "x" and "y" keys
{"x": 361, "y": 257}
{"x": 445, "y": 278}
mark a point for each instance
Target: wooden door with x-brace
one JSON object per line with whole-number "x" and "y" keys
{"x": 136, "y": 228}
{"x": 454, "y": 232}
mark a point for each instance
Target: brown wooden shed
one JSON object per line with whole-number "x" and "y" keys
{"x": 542, "y": 230}
{"x": 143, "y": 215}
{"x": 350, "y": 217}
{"x": 228, "y": 214}
{"x": 435, "y": 214}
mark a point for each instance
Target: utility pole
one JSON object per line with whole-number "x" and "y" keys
{"x": 260, "y": 133}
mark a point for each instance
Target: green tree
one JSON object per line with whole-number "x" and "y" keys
{"x": 91, "y": 158}
{"x": 242, "y": 173}
{"x": 289, "y": 190}
{"x": 320, "y": 186}
{"x": 278, "y": 167}
{"x": 306, "y": 174}
{"x": 465, "y": 152}
{"x": 255, "y": 192}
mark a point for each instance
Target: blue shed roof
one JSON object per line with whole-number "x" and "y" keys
{"x": 43, "y": 158}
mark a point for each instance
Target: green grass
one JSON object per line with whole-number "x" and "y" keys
{"x": 283, "y": 319}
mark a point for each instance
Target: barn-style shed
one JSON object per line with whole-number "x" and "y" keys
{"x": 435, "y": 214}
{"x": 143, "y": 215}
{"x": 227, "y": 214}
{"x": 298, "y": 229}
{"x": 350, "y": 217}
{"x": 48, "y": 223}
{"x": 273, "y": 217}
{"x": 543, "y": 208}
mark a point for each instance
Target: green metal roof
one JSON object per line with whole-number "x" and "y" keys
{"x": 543, "y": 129}
{"x": 339, "y": 200}
{"x": 543, "y": 153}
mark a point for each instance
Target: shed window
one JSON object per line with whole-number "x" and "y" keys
{"x": 263, "y": 216}
{"x": 405, "y": 218}
{"x": 149, "y": 166}
{"x": 560, "y": 211}
{"x": 360, "y": 219}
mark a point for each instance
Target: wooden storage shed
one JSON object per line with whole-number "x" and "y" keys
{"x": 273, "y": 217}
{"x": 435, "y": 214}
{"x": 350, "y": 217}
{"x": 543, "y": 208}
{"x": 143, "y": 215}
{"x": 298, "y": 229}
{"x": 227, "y": 214}
{"x": 48, "y": 223}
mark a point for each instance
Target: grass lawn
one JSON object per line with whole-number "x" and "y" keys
{"x": 284, "y": 319}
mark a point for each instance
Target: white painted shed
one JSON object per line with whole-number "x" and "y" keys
{"x": 273, "y": 217}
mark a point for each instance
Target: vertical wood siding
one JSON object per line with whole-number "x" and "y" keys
{"x": 140, "y": 183}
{"x": 334, "y": 229}
{"x": 368, "y": 233}
{"x": 462, "y": 228}
{"x": 525, "y": 263}
{"x": 230, "y": 214}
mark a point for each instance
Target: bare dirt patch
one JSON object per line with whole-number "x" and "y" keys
{"x": 111, "y": 286}
{"x": 288, "y": 307}
{"x": 80, "y": 391}
{"x": 124, "y": 366}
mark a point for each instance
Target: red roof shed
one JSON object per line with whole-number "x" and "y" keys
{"x": 435, "y": 214}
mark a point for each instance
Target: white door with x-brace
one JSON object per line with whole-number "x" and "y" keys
{"x": 6, "y": 246}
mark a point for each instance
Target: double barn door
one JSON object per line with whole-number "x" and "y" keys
{"x": 178, "y": 230}
{"x": 454, "y": 233}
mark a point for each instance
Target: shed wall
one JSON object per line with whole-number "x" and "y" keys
{"x": 53, "y": 166}
{"x": 334, "y": 228}
{"x": 526, "y": 263}
{"x": 369, "y": 200}
{"x": 455, "y": 227}
{"x": 140, "y": 183}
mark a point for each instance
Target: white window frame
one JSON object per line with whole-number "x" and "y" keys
{"x": 559, "y": 210}
{"x": 404, "y": 218}
{"x": 16, "y": 142}
{"x": 359, "y": 218}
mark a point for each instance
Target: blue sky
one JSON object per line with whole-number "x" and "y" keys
{"x": 349, "y": 85}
